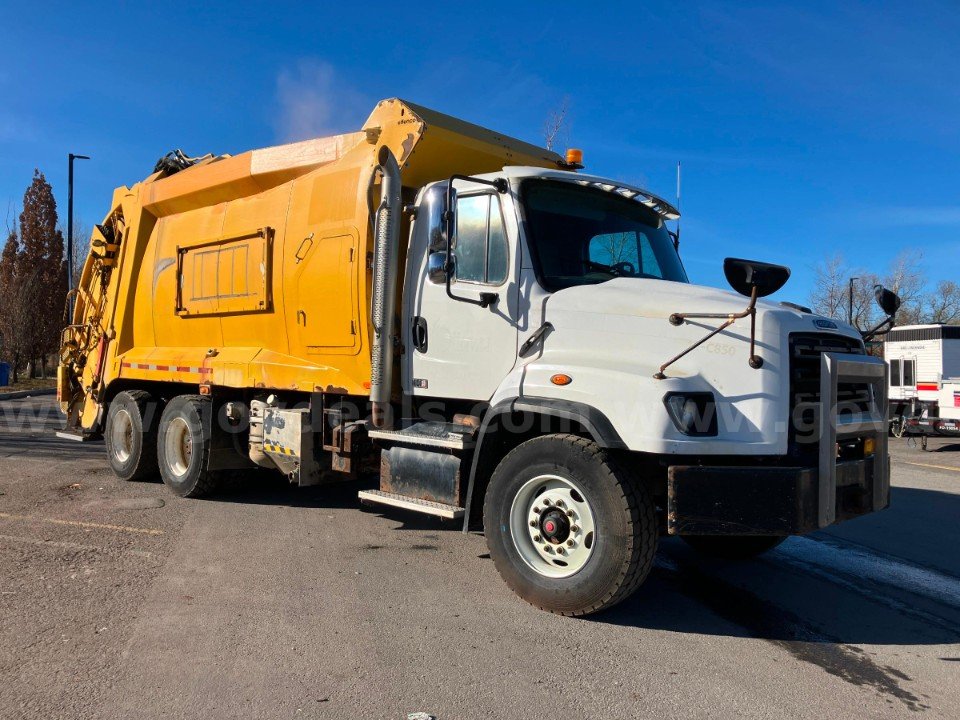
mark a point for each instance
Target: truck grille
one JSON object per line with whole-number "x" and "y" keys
{"x": 805, "y": 352}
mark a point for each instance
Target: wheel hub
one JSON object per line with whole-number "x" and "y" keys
{"x": 555, "y": 527}
{"x": 552, "y": 525}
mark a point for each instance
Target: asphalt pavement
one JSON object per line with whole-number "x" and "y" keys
{"x": 120, "y": 600}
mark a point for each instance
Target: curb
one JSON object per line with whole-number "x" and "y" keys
{"x": 27, "y": 393}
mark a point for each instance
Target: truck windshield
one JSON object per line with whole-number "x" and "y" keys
{"x": 584, "y": 236}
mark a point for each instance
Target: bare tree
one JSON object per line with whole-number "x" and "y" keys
{"x": 557, "y": 125}
{"x": 620, "y": 247}
{"x": 866, "y": 313}
{"x": 829, "y": 288}
{"x": 81, "y": 248}
{"x": 943, "y": 304}
{"x": 832, "y": 285}
{"x": 906, "y": 279}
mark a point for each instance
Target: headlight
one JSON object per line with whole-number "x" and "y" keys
{"x": 693, "y": 413}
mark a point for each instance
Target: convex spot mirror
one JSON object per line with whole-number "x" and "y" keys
{"x": 745, "y": 275}
{"x": 888, "y": 300}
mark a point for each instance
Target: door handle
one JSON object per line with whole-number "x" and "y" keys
{"x": 420, "y": 334}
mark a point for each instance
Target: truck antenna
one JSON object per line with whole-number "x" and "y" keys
{"x": 678, "y": 202}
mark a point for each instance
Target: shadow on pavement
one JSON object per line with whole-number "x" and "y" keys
{"x": 769, "y": 600}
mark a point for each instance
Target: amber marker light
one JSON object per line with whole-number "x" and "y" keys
{"x": 561, "y": 379}
{"x": 574, "y": 156}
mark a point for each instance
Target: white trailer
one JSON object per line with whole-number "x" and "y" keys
{"x": 924, "y": 363}
{"x": 920, "y": 358}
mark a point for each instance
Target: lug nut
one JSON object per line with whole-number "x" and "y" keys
{"x": 536, "y": 510}
{"x": 533, "y": 523}
{"x": 560, "y": 550}
{"x": 560, "y": 504}
{"x": 548, "y": 549}
{"x": 574, "y": 528}
{"x": 569, "y": 543}
{"x": 536, "y": 538}
{"x": 569, "y": 513}
{"x": 546, "y": 502}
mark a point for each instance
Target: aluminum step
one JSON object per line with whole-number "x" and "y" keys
{"x": 427, "y": 434}
{"x": 379, "y": 497}
{"x": 75, "y": 436}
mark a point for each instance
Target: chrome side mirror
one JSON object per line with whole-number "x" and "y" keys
{"x": 437, "y": 266}
{"x": 435, "y": 204}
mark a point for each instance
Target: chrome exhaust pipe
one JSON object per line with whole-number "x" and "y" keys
{"x": 385, "y": 271}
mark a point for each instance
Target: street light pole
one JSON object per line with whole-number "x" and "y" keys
{"x": 850, "y": 302}
{"x": 72, "y": 157}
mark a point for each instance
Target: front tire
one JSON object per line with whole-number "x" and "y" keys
{"x": 733, "y": 547}
{"x": 568, "y": 529}
{"x": 130, "y": 435}
{"x": 183, "y": 447}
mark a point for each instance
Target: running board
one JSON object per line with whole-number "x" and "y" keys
{"x": 445, "y": 435}
{"x": 450, "y": 512}
{"x": 76, "y": 437}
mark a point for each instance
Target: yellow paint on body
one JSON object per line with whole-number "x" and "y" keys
{"x": 251, "y": 271}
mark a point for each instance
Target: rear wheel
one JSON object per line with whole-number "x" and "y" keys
{"x": 569, "y": 530}
{"x": 130, "y": 435}
{"x": 733, "y": 547}
{"x": 183, "y": 447}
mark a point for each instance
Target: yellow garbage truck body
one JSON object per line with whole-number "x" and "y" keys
{"x": 254, "y": 271}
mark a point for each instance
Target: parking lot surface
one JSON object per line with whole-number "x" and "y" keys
{"x": 122, "y": 600}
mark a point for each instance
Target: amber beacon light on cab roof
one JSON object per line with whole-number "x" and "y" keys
{"x": 504, "y": 340}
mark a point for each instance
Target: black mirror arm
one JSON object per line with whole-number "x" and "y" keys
{"x": 486, "y": 299}
{"x": 878, "y": 330}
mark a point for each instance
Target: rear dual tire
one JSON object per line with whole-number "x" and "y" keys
{"x": 142, "y": 443}
{"x": 183, "y": 446}
{"x": 130, "y": 435}
{"x": 569, "y": 529}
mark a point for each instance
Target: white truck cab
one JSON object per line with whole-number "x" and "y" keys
{"x": 552, "y": 311}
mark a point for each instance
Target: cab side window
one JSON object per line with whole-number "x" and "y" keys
{"x": 481, "y": 247}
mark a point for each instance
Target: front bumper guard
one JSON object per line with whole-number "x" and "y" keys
{"x": 763, "y": 500}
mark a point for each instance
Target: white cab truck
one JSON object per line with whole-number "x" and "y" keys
{"x": 521, "y": 352}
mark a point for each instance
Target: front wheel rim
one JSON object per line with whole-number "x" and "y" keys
{"x": 178, "y": 447}
{"x": 552, "y": 526}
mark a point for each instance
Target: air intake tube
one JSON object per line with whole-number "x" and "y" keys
{"x": 385, "y": 270}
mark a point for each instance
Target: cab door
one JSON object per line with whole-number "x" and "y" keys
{"x": 459, "y": 349}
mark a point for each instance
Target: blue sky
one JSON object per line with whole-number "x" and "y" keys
{"x": 804, "y": 128}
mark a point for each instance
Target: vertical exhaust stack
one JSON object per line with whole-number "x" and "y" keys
{"x": 385, "y": 270}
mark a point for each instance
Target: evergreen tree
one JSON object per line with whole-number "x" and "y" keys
{"x": 41, "y": 258}
{"x": 33, "y": 281}
{"x": 16, "y": 314}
